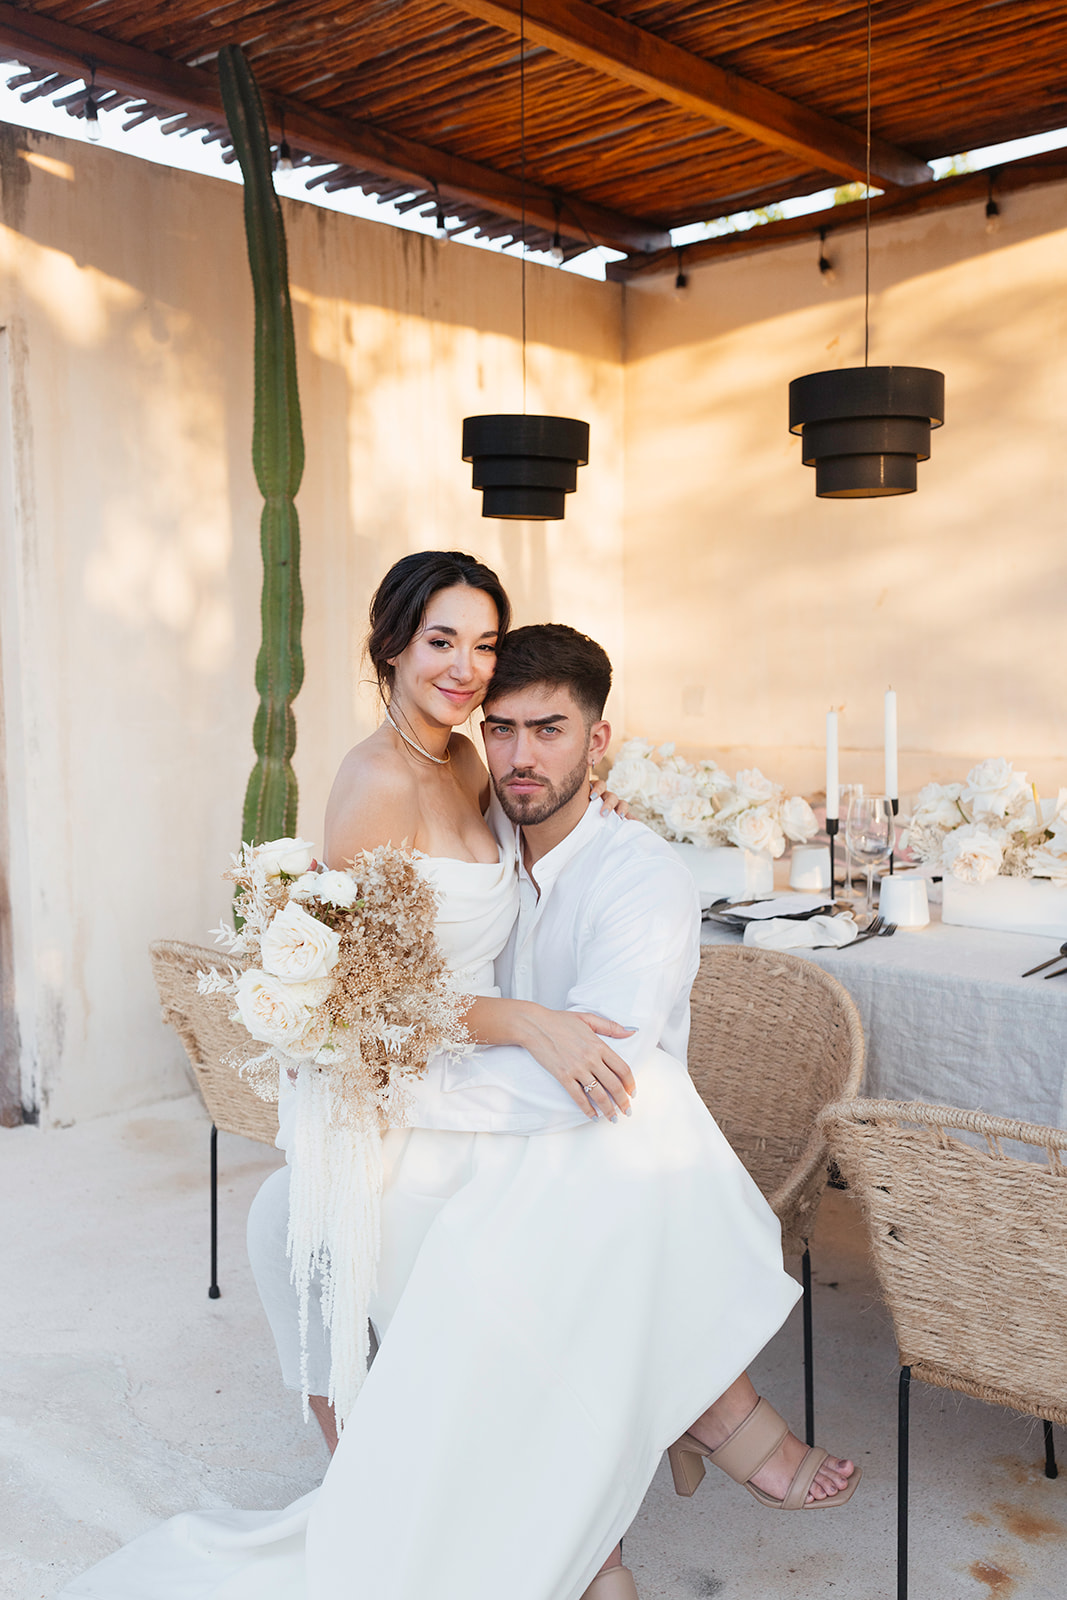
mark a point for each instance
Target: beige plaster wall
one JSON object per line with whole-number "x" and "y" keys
{"x": 129, "y": 563}
{"x": 751, "y": 606}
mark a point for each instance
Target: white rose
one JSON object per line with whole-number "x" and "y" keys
{"x": 973, "y": 854}
{"x": 1057, "y": 823}
{"x": 710, "y": 779}
{"x": 991, "y": 788}
{"x": 297, "y": 947}
{"x": 274, "y": 1012}
{"x": 757, "y": 829}
{"x": 634, "y": 747}
{"x": 336, "y": 889}
{"x": 1048, "y": 863}
{"x": 688, "y": 817}
{"x": 798, "y": 819}
{"x": 672, "y": 785}
{"x": 306, "y": 887}
{"x": 938, "y": 806}
{"x": 755, "y": 788}
{"x": 290, "y": 857}
{"x": 635, "y": 778}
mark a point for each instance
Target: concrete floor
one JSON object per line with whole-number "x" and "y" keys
{"x": 127, "y": 1395}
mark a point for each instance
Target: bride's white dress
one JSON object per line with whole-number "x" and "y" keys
{"x": 554, "y": 1311}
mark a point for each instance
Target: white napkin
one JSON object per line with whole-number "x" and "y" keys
{"x": 780, "y": 934}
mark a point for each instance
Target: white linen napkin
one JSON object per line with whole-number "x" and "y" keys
{"x": 778, "y": 933}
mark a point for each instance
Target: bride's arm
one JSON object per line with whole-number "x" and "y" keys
{"x": 570, "y": 1045}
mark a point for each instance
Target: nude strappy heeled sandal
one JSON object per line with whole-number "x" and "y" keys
{"x": 747, "y": 1449}
{"x": 615, "y": 1584}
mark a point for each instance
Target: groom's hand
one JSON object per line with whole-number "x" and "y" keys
{"x": 571, "y": 1046}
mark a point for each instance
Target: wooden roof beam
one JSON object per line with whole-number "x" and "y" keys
{"x": 38, "y": 41}
{"x": 967, "y": 187}
{"x": 608, "y": 44}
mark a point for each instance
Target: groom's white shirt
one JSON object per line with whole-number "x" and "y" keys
{"x": 609, "y": 922}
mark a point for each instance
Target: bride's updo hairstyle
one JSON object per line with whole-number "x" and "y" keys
{"x": 400, "y": 601}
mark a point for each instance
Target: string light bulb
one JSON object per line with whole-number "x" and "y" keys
{"x": 556, "y": 252}
{"x": 681, "y": 280}
{"x": 91, "y": 110}
{"x": 284, "y": 160}
{"x": 992, "y": 210}
{"x": 827, "y": 273}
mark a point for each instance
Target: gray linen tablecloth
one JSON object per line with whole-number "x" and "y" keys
{"x": 949, "y": 1020}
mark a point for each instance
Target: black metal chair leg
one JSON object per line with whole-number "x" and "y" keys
{"x": 809, "y": 1354}
{"x": 902, "y": 1483}
{"x": 213, "y": 1289}
{"x": 1051, "y": 1469}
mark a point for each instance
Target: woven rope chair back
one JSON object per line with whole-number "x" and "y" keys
{"x": 202, "y": 1023}
{"x": 970, "y": 1244}
{"x": 774, "y": 1040}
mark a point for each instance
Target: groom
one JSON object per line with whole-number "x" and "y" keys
{"x": 608, "y": 925}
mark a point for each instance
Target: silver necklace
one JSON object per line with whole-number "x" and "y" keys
{"x": 440, "y": 761}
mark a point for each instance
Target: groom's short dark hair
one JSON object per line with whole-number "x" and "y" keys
{"x": 560, "y": 658}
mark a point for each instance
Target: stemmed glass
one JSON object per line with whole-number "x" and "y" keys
{"x": 849, "y": 791}
{"x": 870, "y": 835}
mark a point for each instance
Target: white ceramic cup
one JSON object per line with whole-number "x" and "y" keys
{"x": 810, "y": 867}
{"x": 902, "y": 899}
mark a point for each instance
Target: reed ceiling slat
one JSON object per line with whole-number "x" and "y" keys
{"x": 948, "y": 75}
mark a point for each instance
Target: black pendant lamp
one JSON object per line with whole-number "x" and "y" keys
{"x": 865, "y": 429}
{"x": 525, "y": 466}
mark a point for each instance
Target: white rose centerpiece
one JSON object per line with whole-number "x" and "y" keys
{"x": 991, "y": 825}
{"x": 699, "y": 803}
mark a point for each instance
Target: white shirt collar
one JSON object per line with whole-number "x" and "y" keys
{"x": 549, "y": 866}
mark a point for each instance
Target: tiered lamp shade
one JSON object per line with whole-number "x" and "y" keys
{"x": 865, "y": 428}
{"x": 525, "y": 466}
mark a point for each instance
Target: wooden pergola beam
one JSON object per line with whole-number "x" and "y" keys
{"x": 38, "y": 41}
{"x": 962, "y": 190}
{"x": 608, "y": 44}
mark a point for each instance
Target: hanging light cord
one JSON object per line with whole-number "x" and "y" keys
{"x": 867, "y": 229}
{"x": 522, "y": 179}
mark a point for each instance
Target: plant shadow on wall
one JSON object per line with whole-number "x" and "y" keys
{"x": 954, "y": 595}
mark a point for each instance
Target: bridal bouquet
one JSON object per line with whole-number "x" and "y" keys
{"x": 991, "y": 824}
{"x": 699, "y": 803}
{"x": 340, "y": 977}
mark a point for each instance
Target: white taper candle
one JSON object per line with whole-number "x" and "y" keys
{"x": 832, "y": 795}
{"x": 891, "y": 779}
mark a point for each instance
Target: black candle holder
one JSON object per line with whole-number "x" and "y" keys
{"x": 832, "y": 825}
{"x": 895, "y": 803}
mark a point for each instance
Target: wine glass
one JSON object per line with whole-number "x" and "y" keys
{"x": 870, "y": 835}
{"x": 848, "y": 792}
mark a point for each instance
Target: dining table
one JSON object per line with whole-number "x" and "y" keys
{"x": 949, "y": 1019}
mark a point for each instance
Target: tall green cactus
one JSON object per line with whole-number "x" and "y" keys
{"x": 278, "y": 460}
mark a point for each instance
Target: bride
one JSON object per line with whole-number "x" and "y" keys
{"x": 484, "y": 1457}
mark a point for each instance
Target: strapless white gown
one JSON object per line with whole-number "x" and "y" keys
{"x": 554, "y": 1309}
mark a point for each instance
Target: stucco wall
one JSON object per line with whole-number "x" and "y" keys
{"x": 751, "y": 606}
{"x": 130, "y": 563}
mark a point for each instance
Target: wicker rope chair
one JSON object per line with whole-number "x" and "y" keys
{"x": 970, "y": 1247}
{"x": 773, "y": 1041}
{"x": 202, "y": 1023}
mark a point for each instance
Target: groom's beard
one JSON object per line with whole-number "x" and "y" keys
{"x": 545, "y": 801}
